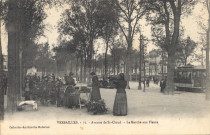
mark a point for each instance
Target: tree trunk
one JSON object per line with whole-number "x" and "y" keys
{"x": 12, "y": 58}
{"x": 155, "y": 66}
{"x": 81, "y": 69}
{"x": 105, "y": 62}
{"x": 71, "y": 65}
{"x": 173, "y": 44}
{"x": 90, "y": 59}
{"x": 140, "y": 61}
{"x": 207, "y": 63}
{"x": 128, "y": 59}
{"x": 114, "y": 64}
{"x": 1, "y": 81}
{"x": 85, "y": 71}
{"x": 17, "y": 25}
{"x": 170, "y": 75}
{"x": 76, "y": 69}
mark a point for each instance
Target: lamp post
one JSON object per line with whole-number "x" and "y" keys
{"x": 140, "y": 57}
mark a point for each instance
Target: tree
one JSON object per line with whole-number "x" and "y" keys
{"x": 24, "y": 24}
{"x": 67, "y": 52}
{"x": 44, "y": 61}
{"x": 205, "y": 26}
{"x": 207, "y": 5}
{"x": 153, "y": 55}
{"x": 82, "y": 18}
{"x": 12, "y": 57}
{"x": 118, "y": 55}
{"x": 108, "y": 20}
{"x": 165, "y": 17}
{"x": 186, "y": 48}
{"x": 130, "y": 12}
{"x": 1, "y": 81}
{"x": 89, "y": 20}
{"x": 1, "y": 70}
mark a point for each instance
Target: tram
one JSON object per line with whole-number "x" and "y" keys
{"x": 190, "y": 78}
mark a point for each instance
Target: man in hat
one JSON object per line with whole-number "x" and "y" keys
{"x": 95, "y": 94}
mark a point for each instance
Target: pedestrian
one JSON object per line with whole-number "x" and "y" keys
{"x": 162, "y": 85}
{"x": 5, "y": 84}
{"x": 95, "y": 94}
{"x": 45, "y": 92}
{"x": 120, "y": 103}
{"x": 154, "y": 79}
{"x": 148, "y": 82}
{"x": 58, "y": 96}
{"x": 65, "y": 78}
{"x": 27, "y": 91}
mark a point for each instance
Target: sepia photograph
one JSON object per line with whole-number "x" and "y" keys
{"x": 104, "y": 67}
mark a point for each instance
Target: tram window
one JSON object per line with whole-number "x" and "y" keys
{"x": 204, "y": 75}
{"x": 189, "y": 75}
{"x": 194, "y": 74}
{"x": 184, "y": 75}
{"x": 198, "y": 74}
{"x": 180, "y": 75}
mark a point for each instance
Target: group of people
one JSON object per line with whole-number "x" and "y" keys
{"x": 49, "y": 89}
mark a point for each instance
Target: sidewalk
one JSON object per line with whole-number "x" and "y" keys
{"x": 179, "y": 112}
{"x": 140, "y": 104}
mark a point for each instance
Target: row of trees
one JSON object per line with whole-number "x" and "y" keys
{"x": 86, "y": 21}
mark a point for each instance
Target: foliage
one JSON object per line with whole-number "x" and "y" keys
{"x": 96, "y": 107}
{"x": 29, "y": 26}
{"x": 165, "y": 17}
{"x": 185, "y": 50}
{"x": 108, "y": 17}
{"x": 162, "y": 16}
{"x": 130, "y": 12}
{"x": 81, "y": 20}
{"x": 44, "y": 61}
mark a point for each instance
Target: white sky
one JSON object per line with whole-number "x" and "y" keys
{"x": 190, "y": 24}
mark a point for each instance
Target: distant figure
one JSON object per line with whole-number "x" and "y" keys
{"x": 120, "y": 103}
{"x": 65, "y": 78}
{"x": 95, "y": 94}
{"x": 162, "y": 85}
{"x": 154, "y": 79}
{"x": 5, "y": 84}
{"x": 53, "y": 77}
{"x": 147, "y": 82}
{"x": 27, "y": 92}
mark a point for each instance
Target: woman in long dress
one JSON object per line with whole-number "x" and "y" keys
{"x": 120, "y": 103}
{"x": 95, "y": 94}
{"x": 71, "y": 96}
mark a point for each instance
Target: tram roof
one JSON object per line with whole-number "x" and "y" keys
{"x": 192, "y": 67}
